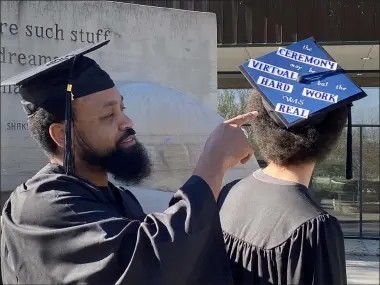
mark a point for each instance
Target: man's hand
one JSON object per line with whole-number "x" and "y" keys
{"x": 226, "y": 146}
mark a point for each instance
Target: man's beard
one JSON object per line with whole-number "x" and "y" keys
{"x": 129, "y": 166}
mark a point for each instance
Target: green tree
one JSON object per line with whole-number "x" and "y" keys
{"x": 227, "y": 106}
{"x": 232, "y": 103}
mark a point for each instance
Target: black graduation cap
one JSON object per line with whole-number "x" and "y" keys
{"x": 300, "y": 84}
{"x": 54, "y": 85}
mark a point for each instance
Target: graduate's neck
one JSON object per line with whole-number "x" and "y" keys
{"x": 94, "y": 174}
{"x": 88, "y": 172}
{"x": 294, "y": 173}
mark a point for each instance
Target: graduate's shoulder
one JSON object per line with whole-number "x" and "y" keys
{"x": 309, "y": 234}
{"x": 323, "y": 224}
{"x": 49, "y": 198}
{"x": 51, "y": 177}
{"x": 304, "y": 221}
{"x": 53, "y": 182}
{"x": 317, "y": 231}
{"x": 267, "y": 215}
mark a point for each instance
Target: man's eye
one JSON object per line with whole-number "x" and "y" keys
{"x": 108, "y": 116}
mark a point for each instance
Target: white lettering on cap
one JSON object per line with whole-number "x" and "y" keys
{"x": 274, "y": 84}
{"x": 271, "y": 69}
{"x": 308, "y": 59}
{"x": 320, "y": 95}
{"x": 59, "y": 59}
{"x": 292, "y": 110}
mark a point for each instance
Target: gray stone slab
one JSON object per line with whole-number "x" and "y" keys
{"x": 164, "y": 62}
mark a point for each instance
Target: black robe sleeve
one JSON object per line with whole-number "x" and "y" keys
{"x": 327, "y": 240}
{"x": 314, "y": 254}
{"x": 71, "y": 238}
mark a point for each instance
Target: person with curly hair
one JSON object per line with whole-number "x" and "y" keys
{"x": 274, "y": 231}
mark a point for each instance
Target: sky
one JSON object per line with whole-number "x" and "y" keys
{"x": 366, "y": 110}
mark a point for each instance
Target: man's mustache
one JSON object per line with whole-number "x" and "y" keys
{"x": 128, "y": 132}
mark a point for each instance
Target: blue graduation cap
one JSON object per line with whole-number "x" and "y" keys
{"x": 300, "y": 84}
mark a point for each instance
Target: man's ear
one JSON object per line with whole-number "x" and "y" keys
{"x": 57, "y": 133}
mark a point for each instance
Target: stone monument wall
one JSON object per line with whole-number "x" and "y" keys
{"x": 170, "y": 54}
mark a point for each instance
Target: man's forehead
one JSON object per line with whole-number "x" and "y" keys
{"x": 113, "y": 101}
{"x": 101, "y": 99}
{"x": 97, "y": 103}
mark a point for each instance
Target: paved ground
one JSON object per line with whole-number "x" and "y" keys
{"x": 359, "y": 247}
{"x": 362, "y": 269}
{"x": 362, "y": 261}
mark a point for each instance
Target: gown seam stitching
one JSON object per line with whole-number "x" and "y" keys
{"x": 280, "y": 244}
{"x": 284, "y": 182}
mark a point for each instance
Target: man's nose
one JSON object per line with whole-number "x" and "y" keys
{"x": 126, "y": 123}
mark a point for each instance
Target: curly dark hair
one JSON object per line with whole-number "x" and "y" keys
{"x": 39, "y": 124}
{"x": 311, "y": 143}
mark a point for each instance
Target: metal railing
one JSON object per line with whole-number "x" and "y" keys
{"x": 358, "y": 206}
{"x": 361, "y": 177}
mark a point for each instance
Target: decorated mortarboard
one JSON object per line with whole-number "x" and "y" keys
{"x": 54, "y": 85}
{"x": 300, "y": 84}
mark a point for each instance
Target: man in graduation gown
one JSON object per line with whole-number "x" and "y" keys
{"x": 69, "y": 225}
{"x": 275, "y": 232}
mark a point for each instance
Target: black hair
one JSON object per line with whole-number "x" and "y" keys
{"x": 311, "y": 143}
{"x": 38, "y": 125}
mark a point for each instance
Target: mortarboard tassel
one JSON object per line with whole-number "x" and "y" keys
{"x": 349, "y": 145}
{"x": 69, "y": 156}
{"x": 318, "y": 75}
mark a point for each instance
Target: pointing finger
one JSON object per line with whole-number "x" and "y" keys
{"x": 242, "y": 119}
{"x": 248, "y": 157}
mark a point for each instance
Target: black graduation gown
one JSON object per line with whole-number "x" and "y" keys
{"x": 276, "y": 234}
{"x": 59, "y": 229}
